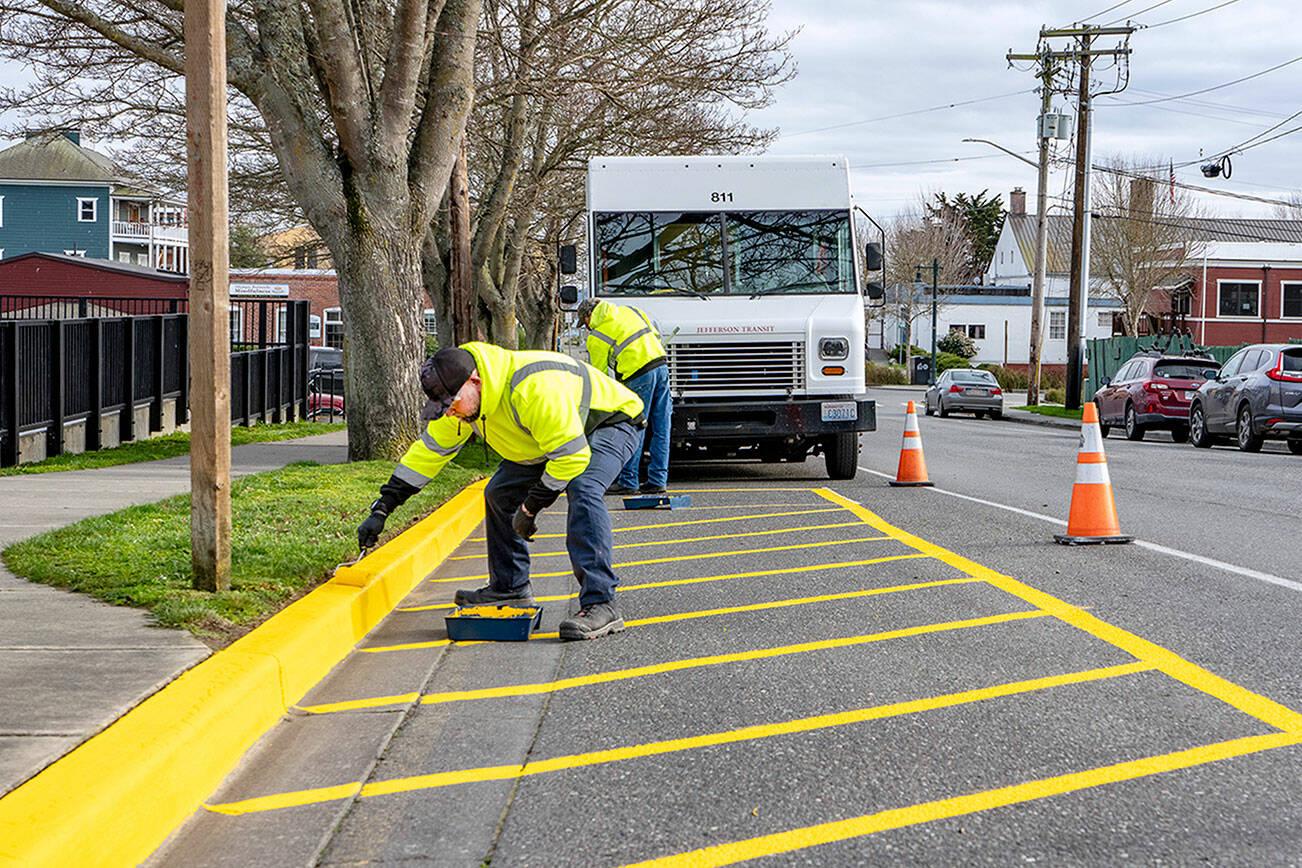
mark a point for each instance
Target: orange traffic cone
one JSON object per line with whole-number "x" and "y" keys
{"x": 1093, "y": 517}
{"x": 913, "y": 467}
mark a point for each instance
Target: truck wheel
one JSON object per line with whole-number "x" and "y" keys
{"x": 842, "y": 454}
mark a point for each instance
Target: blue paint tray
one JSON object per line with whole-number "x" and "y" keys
{"x": 492, "y": 623}
{"x": 658, "y": 501}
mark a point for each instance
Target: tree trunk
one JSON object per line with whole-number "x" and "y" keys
{"x": 383, "y": 297}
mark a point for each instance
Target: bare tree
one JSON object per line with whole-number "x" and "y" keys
{"x": 562, "y": 80}
{"x": 1142, "y": 241}
{"x": 363, "y": 105}
{"x": 915, "y": 239}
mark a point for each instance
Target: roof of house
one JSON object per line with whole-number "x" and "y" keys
{"x": 1203, "y": 229}
{"x": 100, "y": 264}
{"x": 52, "y": 156}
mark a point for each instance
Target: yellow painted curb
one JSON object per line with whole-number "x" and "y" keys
{"x": 116, "y": 797}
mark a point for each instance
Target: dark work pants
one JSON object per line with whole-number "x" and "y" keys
{"x": 587, "y": 534}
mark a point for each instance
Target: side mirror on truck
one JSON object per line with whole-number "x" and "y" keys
{"x": 569, "y": 257}
{"x": 872, "y": 257}
{"x": 874, "y": 290}
{"x": 569, "y": 297}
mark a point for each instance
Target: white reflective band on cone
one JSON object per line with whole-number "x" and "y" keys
{"x": 1092, "y": 474}
{"x": 1091, "y": 438}
{"x": 911, "y": 423}
{"x": 911, "y": 443}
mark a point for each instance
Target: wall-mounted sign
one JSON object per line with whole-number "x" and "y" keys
{"x": 260, "y": 290}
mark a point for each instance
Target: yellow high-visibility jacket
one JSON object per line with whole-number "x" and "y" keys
{"x": 623, "y": 337}
{"x": 535, "y": 407}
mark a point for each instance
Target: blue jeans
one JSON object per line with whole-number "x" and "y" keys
{"x": 653, "y": 388}
{"x": 587, "y": 533}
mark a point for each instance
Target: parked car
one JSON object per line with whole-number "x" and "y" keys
{"x": 1152, "y": 392}
{"x": 325, "y": 384}
{"x": 969, "y": 390}
{"x": 1256, "y": 395}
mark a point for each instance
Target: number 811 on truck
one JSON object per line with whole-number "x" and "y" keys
{"x": 747, "y": 268}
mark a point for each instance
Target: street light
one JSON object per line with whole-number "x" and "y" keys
{"x": 1041, "y": 259}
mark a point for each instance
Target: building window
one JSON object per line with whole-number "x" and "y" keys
{"x": 237, "y": 325}
{"x": 87, "y": 210}
{"x": 1057, "y": 325}
{"x": 1239, "y": 298}
{"x": 282, "y": 323}
{"x": 976, "y": 332}
{"x": 313, "y": 326}
{"x": 1292, "y": 299}
{"x": 334, "y": 327}
{"x": 961, "y": 329}
{"x": 431, "y": 322}
{"x": 1105, "y": 319}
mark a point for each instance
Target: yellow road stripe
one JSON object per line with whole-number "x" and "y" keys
{"x": 798, "y": 839}
{"x": 670, "y": 666}
{"x": 701, "y": 579}
{"x": 1265, "y": 710}
{"x": 693, "y": 557}
{"x": 681, "y": 541}
{"x": 655, "y": 748}
{"x": 692, "y": 521}
{"x": 683, "y": 616}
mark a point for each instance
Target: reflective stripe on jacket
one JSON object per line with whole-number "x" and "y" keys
{"x": 623, "y": 337}
{"x": 535, "y": 407}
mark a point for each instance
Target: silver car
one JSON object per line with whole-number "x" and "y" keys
{"x": 967, "y": 390}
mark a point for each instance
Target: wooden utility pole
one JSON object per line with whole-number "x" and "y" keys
{"x": 1078, "y": 292}
{"x": 210, "y": 350}
{"x": 1078, "y": 289}
{"x": 460, "y": 280}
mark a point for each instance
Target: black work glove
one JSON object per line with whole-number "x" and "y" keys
{"x": 524, "y": 524}
{"x": 369, "y": 532}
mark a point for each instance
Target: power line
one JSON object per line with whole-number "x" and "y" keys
{"x": 1140, "y": 12}
{"x": 911, "y": 113}
{"x": 1106, "y": 11}
{"x": 926, "y": 162}
{"x": 1214, "y": 87}
{"x": 1190, "y": 15}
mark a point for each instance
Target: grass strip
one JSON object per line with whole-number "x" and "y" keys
{"x": 290, "y": 528}
{"x": 167, "y": 446}
{"x": 1052, "y": 410}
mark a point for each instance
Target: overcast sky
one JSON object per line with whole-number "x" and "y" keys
{"x": 863, "y": 60}
{"x": 859, "y": 61}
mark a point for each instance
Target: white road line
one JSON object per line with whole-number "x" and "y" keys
{"x": 1151, "y": 546}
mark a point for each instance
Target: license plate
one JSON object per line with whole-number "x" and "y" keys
{"x": 977, "y": 391}
{"x": 840, "y": 411}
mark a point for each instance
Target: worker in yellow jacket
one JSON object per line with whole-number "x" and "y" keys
{"x": 559, "y": 425}
{"x": 622, "y": 337}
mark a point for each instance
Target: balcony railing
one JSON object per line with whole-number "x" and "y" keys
{"x": 146, "y": 231}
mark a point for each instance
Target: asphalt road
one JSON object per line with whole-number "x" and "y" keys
{"x": 924, "y": 679}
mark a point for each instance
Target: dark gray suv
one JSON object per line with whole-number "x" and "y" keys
{"x": 1256, "y": 395}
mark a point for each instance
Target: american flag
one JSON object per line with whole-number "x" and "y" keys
{"x": 1173, "y": 182}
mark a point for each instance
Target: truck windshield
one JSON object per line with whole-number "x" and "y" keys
{"x": 653, "y": 253}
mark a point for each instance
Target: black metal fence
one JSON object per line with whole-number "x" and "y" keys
{"x": 57, "y": 371}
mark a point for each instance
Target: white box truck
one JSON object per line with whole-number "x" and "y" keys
{"x": 747, "y": 267}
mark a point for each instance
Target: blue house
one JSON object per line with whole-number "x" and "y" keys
{"x": 58, "y": 197}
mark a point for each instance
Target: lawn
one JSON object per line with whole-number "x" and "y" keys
{"x": 291, "y": 527}
{"x": 1053, "y": 410}
{"x": 166, "y": 446}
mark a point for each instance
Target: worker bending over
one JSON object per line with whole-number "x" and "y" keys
{"x": 559, "y": 425}
{"x": 623, "y": 338}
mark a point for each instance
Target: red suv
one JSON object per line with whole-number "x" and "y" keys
{"x": 1152, "y": 391}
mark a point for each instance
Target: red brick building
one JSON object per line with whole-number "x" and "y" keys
{"x": 318, "y": 287}
{"x": 1245, "y": 292}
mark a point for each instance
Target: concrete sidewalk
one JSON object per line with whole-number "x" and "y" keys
{"x": 69, "y": 665}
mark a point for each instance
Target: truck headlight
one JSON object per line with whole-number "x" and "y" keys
{"x": 833, "y": 348}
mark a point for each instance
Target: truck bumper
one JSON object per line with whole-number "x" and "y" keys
{"x": 763, "y": 420}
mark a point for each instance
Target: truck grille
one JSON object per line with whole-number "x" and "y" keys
{"x": 766, "y": 367}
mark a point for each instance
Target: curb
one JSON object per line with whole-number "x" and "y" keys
{"x": 115, "y": 798}
{"x": 1024, "y": 418}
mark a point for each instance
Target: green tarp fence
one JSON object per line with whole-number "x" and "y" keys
{"x": 1105, "y": 356}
